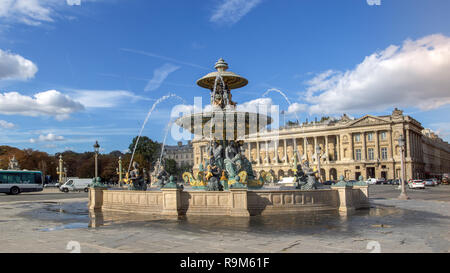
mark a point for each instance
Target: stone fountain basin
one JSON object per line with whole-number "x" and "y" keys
{"x": 224, "y": 125}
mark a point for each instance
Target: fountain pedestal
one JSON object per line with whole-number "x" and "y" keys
{"x": 95, "y": 198}
{"x": 171, "y": 201}
{"x": 239, "y": 204}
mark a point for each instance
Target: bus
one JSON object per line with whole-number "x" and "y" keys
{"x": 14, "y": 182}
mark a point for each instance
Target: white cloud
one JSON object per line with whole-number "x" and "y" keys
{"x": 415, "y": 74}
{"x": 30, "y": 12}
{"x": 74, "y": 2}
{"x": 47, "y": 103}
{"x": 7, "y": 125}
{"x": 295, "y": 108}
{"x": 104, "y": 98}
{"x": 159, "y": 76}
{"x": 231, "y": 11}
{"x": 34, "y": 12}
{"x": 13, "y": 66}
{"x": 47, "y": 138}
{"x": 264, "y": 105}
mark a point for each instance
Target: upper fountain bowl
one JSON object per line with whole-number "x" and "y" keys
{"x": 232, "y": 80}
{"x": 224, "y": 125}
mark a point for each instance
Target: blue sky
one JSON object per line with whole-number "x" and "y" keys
{"x": 72, "y": 72}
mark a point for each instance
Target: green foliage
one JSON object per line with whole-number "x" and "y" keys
{"x": 170, "y": 166}
{"x": 147, "y": 150}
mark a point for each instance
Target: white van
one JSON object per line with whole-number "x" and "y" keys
{"x": 76, "y": 185}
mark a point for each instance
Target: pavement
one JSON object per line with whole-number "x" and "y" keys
{"x": 35, "y": 223}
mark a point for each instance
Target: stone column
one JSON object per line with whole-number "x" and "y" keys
{"x": 338, "y": 148}
{"x": 258, "y": 157}
{"x": 352, "y": 147}
{"x": 285, "y": 152}
{"x": 267, "y": 153}
{"x": 276, "y": 151}
{"x": 314, "y": 150}
{"x": 391, "y": 146}
{"x": 326, "y": 150}
{"x": 239, "y": 204}
{"x": 364, "y": 149}
{"x": 305, "y": 152}
{"x": 249, "y": 153}
{"x": 408, "y": 144}
{"x": 171, "y": 201}
{"x": 377, "y": 146}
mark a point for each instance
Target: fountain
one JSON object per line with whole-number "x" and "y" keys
{"x": 225, "y": 128}
{"x": 226, "y": 185}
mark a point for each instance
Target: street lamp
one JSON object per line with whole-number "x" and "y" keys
{"x": 96, "y": 149}
{"x": 318, "y": 162}
{"x": 59, "y": 170}
{"x": 401, "y": 144}
{"x": 120, "y": 171}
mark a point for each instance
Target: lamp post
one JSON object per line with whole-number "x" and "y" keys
{"x": 401, "y": 144}
{"x": 59, "y": 170}
{"x": 120, "y": 171}
{"x": 318, "y": 162}
{"x": 96, "y": 149}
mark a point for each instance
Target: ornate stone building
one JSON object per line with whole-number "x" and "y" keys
{"x": 366, "y": 146}
{"x": 182, "y": 154}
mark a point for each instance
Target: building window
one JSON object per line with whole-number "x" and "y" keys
{"x": 384, "y": 154}
{"x": 371, "y": 154}
{"x": 357, "y": 167}
{"x": 370, "y": 136}
{"x": 358, "y": 154}
{"x": 383, "y": 135}
{"x": 357, "y": 137}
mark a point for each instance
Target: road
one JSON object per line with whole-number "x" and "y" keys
{"x": 438, "y": 193}
{"x": 41, "y": 197}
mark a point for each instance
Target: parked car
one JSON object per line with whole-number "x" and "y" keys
{"x": 371, "y": 181}
{"x": 381, "y": 181}
{"x": 396, "y": 182}
{"x": 328, "y": 183}
{"x": 76, "y": 185}
{"x": 430, "y": 183}
{"x": 416, "y": 184}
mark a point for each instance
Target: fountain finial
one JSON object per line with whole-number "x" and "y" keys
{"x": 221, "y": 65}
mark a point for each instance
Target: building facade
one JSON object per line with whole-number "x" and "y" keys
{"x": 182, "y": 154}
{"x": 366, "y": 146}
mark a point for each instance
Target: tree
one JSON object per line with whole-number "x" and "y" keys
{"x": 148, "y": 149}
{"x": 170, "y": 166}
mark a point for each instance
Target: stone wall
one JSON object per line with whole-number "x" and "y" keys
{"x": 278, "y": 202}
{"x": 236, "y": 202}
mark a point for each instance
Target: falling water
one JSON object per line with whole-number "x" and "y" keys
{"x": 164, "y": 143}
{"x": 295, "y": 112}
{"x": 146, "y": 120}
{"x": 219, "y": 76}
